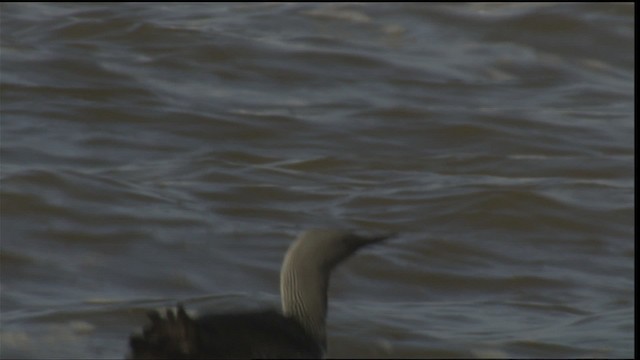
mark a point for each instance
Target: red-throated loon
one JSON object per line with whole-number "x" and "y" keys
{"x": 297, "y": 332}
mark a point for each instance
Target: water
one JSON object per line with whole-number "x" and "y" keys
{"x": 155, "y": 153}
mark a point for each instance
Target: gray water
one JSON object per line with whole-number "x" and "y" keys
{"x": 156, "y": 153}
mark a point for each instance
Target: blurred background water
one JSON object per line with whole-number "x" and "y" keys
{"x": 155, "y": 153}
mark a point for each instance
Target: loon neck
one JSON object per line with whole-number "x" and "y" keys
{"x": 303, "y": 288}
{"x": 304, "y": 278}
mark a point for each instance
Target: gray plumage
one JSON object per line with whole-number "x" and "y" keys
{"x": 299, "y": 332}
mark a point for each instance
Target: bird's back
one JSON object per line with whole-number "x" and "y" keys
{"x": 258, "y": 335}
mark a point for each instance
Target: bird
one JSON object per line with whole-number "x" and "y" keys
{"x": 299, "y": 331}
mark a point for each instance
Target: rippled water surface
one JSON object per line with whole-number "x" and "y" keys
{"x": 155, "y": 153}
